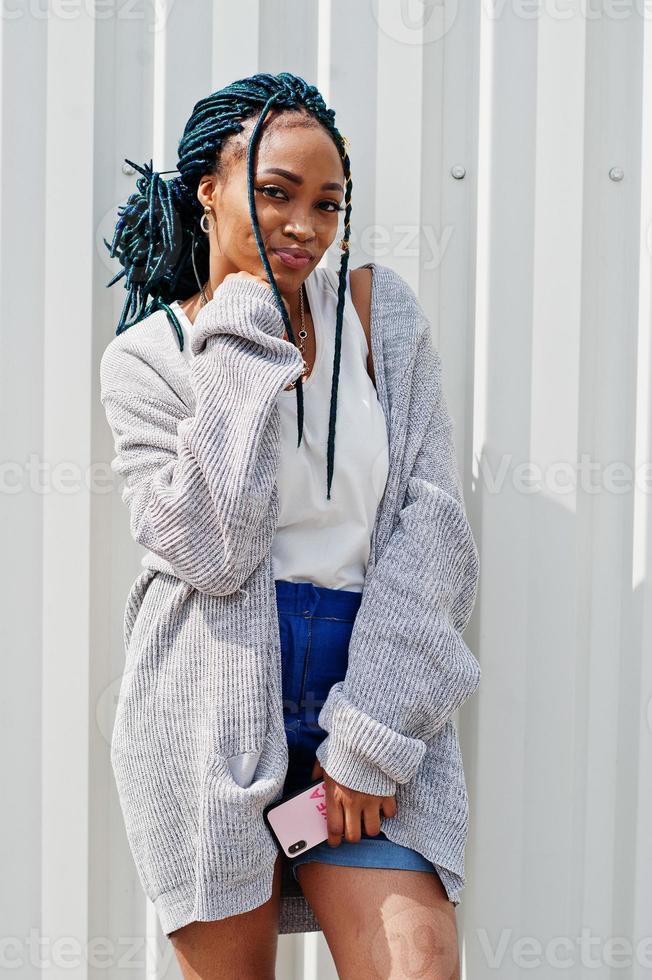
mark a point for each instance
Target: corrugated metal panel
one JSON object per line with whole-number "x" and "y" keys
{"x": 486, "y": 148}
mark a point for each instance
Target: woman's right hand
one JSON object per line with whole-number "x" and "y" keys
{"x": 241, "y": 274}
{"x": 348, "y": 812}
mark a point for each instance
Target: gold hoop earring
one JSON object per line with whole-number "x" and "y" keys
{"x": 207, "y": 212}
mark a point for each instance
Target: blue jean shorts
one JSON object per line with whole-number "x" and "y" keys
{"x": 315, "y": 626}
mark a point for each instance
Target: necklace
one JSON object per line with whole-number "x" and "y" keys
{"x": 303, "y": 333}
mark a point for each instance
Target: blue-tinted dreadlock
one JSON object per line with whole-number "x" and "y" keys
{"x": 156, "y": 238}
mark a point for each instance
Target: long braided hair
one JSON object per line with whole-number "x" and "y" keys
{"x": 156, "y": 241}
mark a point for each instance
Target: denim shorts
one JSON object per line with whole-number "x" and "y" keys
{"x": 315, "y": 626}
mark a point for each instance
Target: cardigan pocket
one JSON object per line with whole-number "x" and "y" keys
{"x": 257, "y": 774}
{"x": 258, "y": 792}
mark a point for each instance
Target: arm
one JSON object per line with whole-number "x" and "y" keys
{"x": 409, "y": 669}
{"x": 201, "y": 489}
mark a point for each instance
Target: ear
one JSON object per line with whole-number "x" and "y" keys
{"x": 209, "y": 192}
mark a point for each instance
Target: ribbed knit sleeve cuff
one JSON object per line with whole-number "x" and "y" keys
{"x": 369, "y": 757}
{"x": 246, "y": 307}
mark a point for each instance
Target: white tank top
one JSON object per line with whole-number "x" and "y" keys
{"x": 322, "y": 541}
{"x": 327, "y": 542}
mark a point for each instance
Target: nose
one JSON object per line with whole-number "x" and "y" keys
{"x": 300, "y": 226}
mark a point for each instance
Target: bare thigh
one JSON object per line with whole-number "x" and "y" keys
{"x": 383, "y": 923}
{"x": 212, "y": 950}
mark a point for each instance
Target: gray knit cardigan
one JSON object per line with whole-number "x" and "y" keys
{"x": 197, "y": 444}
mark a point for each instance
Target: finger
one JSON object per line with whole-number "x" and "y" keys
{"x": 334, "y": 816}
{"x": 352, "y": 823}
{"x": 371, "y": 817}
{"x": 389, "y": 806}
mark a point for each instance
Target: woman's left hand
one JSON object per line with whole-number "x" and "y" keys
{"x": 348, "y": 812}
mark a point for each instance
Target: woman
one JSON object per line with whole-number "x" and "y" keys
{"x": 300, "y": 611}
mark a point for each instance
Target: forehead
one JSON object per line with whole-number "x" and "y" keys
{"x": 315, "y": 160}
{"x": 291, "y": 141}
{"x": 290, "y": 136}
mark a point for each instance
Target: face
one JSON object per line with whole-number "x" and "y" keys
{"x": 298, "y": 208}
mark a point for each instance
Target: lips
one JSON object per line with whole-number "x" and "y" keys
{"x": 295, "y": 258}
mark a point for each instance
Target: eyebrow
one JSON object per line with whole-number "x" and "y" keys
{"x": 329, "y": 186}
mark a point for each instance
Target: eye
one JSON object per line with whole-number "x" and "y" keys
{"x": 269, "y": 190}
{"x": 270, "y": 187}
{"x": 334, "y": 206}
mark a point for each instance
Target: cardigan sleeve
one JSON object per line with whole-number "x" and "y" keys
{"x": 409, "y": 668}
{"x": 201, "y": 488}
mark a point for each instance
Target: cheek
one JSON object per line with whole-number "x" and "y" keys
{"x": 237, "y": 235}
{"x": 328, "y": 232}
{"x": 269, "y": 223}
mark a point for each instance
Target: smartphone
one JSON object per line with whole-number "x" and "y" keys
{"x": 298, "y": 821}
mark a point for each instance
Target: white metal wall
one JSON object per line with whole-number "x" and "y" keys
{"x": 501, "y": 161}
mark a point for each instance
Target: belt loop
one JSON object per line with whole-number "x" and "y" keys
{"x": 312, "y": 599}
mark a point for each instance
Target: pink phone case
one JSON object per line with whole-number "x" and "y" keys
{"x": 298, "y": 822}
